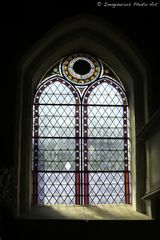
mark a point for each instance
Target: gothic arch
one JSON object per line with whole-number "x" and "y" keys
{"x": 88, "y": 34}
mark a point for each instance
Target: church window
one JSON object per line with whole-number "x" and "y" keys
{"x": 81, "y": 144}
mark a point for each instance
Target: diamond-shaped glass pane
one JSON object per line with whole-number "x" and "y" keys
{"x": 67, "y": 165}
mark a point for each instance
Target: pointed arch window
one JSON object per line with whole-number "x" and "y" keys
{"x": 81, "y": 135}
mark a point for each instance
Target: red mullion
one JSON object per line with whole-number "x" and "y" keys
{"x": 127, "y": 193}
{"x": 77, "y": 188}
{"x": 77, "y": 159}
{"x": 126, "y": 173}
{"x": 86, "y": 188}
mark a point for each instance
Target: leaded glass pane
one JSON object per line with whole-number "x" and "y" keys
{"x": 56, "y": 188}
{"x": 105, "y": 94}
{"x": 56, "y": 143}
{"x": 104, "y": 112}
{"x": 106, "y": 160}
{"x": 56, "y": 93}
{"x": 106, "y": 188}
{"x": 107, "y": 144}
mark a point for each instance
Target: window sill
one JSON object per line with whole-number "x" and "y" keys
{"x": 86, "y": 213}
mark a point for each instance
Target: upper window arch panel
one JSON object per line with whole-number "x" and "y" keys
{"x": 81, "y": 69}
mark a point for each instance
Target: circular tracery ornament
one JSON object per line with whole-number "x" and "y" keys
{"x": 81, "y": 68}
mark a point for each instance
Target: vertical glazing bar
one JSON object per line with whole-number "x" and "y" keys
{"x": 35, "y": 166}
{"x": 126, "y": 173}
{"x": 81, "y": 161}
{"x": 86, "y": 178}
{"x": 77, "y": 173}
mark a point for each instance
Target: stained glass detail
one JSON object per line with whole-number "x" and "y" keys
{"x": 81, "y": 68}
